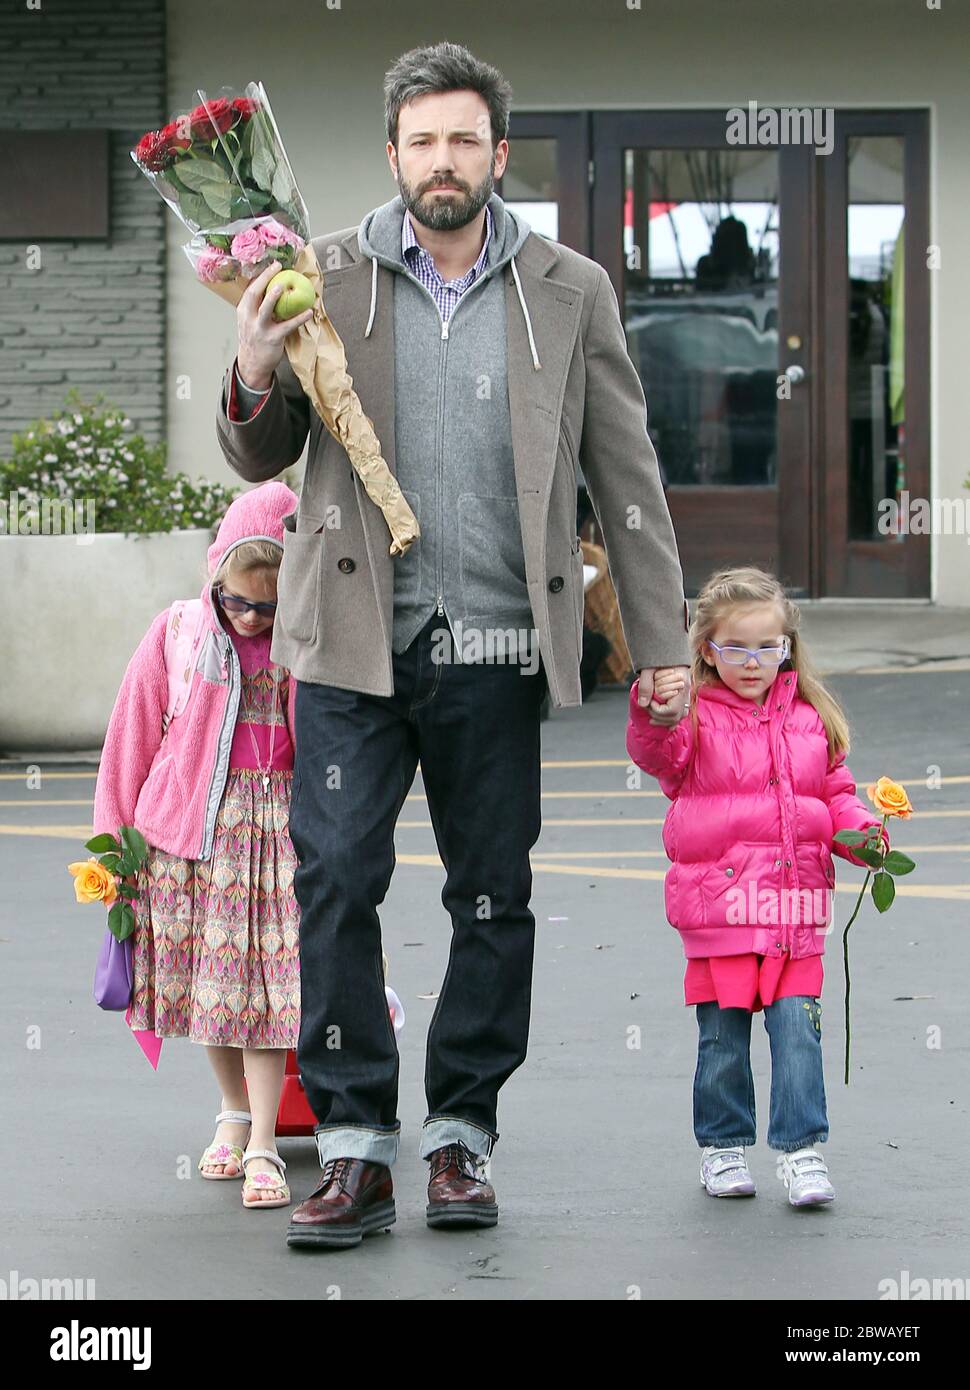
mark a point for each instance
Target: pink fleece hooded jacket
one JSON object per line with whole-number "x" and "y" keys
{"x": 170, "y": 787}
{"x": 749, "y": 833}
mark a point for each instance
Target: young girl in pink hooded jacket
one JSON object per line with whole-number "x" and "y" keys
{"x": 216, "y": 942}
{"x": 757, "y": 777}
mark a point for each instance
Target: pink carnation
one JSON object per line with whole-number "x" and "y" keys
{"x": 275, "y": 234}
{"x": 248, "y": 246}
{"x": 212, "y": 265}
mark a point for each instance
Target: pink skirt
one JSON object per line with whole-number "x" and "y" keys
{"x": 750, "y": 981}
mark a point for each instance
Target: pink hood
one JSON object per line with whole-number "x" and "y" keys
{"x": 749, "y": 833}
{"x": 170, "y": 787}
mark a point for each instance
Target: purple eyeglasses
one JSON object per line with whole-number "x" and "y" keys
{"x": 765, "y": 656}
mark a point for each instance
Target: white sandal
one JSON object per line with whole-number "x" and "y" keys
{"x": 265, "y": 1182}
{"x": 226, "y": 1153}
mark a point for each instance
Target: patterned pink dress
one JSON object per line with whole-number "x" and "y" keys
{"x": 216, "y": 942}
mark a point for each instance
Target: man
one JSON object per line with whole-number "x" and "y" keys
{"x": 492, "y": 363}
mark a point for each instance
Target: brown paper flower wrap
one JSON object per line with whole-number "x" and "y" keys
{"x": 223, "y": 171}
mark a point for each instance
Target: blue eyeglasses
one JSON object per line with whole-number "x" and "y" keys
{"x": 232, "y": 604}
{"x": 765, "y": 656}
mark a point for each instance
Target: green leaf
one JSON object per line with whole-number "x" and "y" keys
{"x": 263, "y": 155}
{"x": 127, "y": 865}
{"x": 134, "y": 842}
{"x": 111, "y": 862}
{"x": 193, "y": 207}
{"x": 872, "y": 857}
{"x": 282, "y": 187}
{"x": 219, "y": 198}
{"x": 898, "y": 863}
{"x": 850, "y": 837}
{"x": 121, "y": 921}
{"x": 196, "y": 173}
{"x": 102, "y": 842}
{"x": 883, "y": 891}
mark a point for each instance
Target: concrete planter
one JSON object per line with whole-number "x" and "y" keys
{"x": 76, "y": 607}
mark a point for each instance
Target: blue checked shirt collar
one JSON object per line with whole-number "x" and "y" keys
{"x": 446, "y": 292}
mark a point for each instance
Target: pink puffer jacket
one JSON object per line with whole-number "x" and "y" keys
{"x": 170, "y": 785}
{"x": 755, "y": 806}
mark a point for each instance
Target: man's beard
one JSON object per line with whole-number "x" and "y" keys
{"x": 446, "y": 213}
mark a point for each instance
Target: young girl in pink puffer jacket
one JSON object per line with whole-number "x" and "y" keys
{"x": 757, "y": 778}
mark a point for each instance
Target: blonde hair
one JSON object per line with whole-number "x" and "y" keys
{"x": 742, "y": 587}
{"x": 248, "y": 558}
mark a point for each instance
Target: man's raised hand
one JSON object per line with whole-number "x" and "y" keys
{"x": 261, "y": 336}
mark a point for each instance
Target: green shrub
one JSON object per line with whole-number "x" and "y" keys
{"x": 86, "y": 455}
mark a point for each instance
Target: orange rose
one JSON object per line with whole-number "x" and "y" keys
{"x": 93, "y": 882}
{"x": 890, "y": 798}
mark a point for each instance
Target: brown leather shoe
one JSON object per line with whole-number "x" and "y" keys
{"x": 457, "y": 1196}
{"x": 354, "y": 1199}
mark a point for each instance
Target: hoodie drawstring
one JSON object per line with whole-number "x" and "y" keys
{"x": 536, "y": 364}
{"x": 373, "y": 297}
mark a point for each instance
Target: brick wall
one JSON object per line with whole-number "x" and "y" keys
{"x": 93, "y": 315}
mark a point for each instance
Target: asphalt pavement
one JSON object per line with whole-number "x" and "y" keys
{"x": 596, "y": 1165}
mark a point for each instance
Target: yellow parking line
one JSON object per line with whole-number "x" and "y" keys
{"x": 35, "y": 802}
{"x": 957, "y": 892}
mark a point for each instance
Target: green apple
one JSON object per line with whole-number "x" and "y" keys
{"x": 298, "y": 294}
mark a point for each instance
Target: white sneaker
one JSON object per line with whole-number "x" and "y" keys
{"x": 724, "y": 1172}
{"x": 805, "y": 1175}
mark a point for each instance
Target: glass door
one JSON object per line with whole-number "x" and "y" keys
{"x": 706, "y": 244}
{"x": 874, "y": 460}
{"x": 776, "y": 306}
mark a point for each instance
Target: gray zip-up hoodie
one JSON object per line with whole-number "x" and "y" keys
{"x": 453, "y": 444}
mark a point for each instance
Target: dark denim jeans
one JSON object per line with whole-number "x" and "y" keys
{"x": 475, "y": 728}
{"x": 724, "y": 1110}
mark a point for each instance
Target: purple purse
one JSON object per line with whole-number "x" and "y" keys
{"x": 113, "y": 978}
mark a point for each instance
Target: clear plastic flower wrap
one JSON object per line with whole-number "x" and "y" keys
{"x": 223, "y": 170}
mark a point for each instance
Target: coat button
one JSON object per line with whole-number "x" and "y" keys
{"x": 555, "y": 583}
{"x": 729, "y": 872}
{"x": 787, "y": 863}
{"x": 346, "y": 564}
{"x": 777, "y": 706}
{"x": 777, "y": 863}
{"x": 779, "y": 945}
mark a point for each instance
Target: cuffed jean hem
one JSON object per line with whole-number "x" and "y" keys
{"x": 447, "y": 1129}
{"x": 357, "y": 1141}
{"x": 803, "y": 1144}
{"x": 744, "y": 1142}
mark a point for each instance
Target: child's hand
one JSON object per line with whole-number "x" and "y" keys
{"x": 669, "y": 684}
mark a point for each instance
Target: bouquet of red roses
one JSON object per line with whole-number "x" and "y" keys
{"x": 223, "y": 171}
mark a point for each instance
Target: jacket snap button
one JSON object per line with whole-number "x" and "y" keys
{"x": 779, "y": 945}
{"x": 729, "y": 871}
{"x": 346, "y": 564}
{"x": 787, "y": 863}
{"x": 777, "y": 706}
{"x": 777, "y": 863}
{"x": 555, "y": 583}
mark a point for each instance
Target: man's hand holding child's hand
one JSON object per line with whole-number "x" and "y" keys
{"x": 664, "y": 691}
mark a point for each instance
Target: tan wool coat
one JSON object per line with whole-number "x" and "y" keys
{"x": 583, "y": 404}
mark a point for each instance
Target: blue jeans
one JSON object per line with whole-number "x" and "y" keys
{"x": 724, "y": 1108}
{"x": 475, "y": 728}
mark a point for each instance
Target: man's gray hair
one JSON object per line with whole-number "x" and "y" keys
{"x": 445, "y": 67}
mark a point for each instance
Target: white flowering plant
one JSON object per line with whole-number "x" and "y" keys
{"x": 87, "y": 454}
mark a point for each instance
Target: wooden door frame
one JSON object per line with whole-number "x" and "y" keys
{"x": 570, "y": 130}
{"x": 844, "y": 567}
